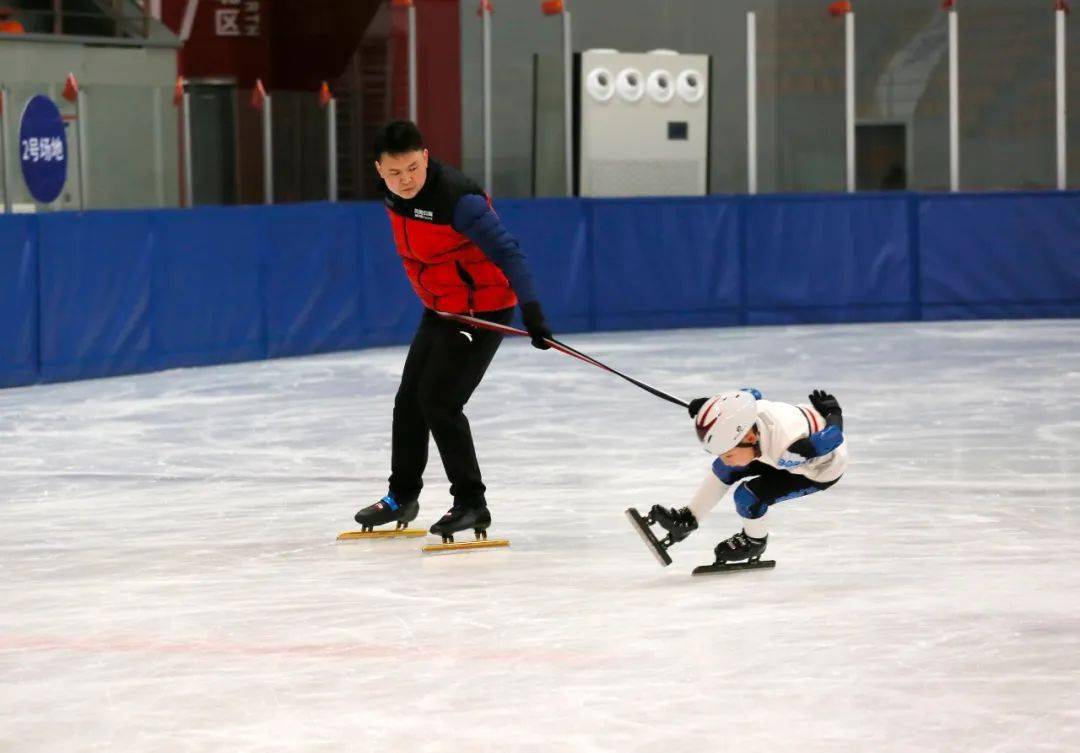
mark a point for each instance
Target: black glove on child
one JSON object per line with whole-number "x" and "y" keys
{"x": 533, "y": 317}
{"x": 824, "y": 403}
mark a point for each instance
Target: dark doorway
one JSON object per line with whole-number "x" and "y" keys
{"x": 881, "y": 157}
{"x": 213, "y": 143}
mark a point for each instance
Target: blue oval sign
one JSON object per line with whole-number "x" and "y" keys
{"x": 43, "y": 149}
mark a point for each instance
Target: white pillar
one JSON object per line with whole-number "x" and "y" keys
{"x": 568, "y": 104}
{"x": 189, "y": 188}
{"x": 331, "y": 149}
{"x": 84, "y": 159}
{"x": 486, "y": 18}
{"x": 1060, "y": 75}
{"x": 268, "y": 152}
{"x": 412, "y": 63}
{"x": 751, "y": 104}
{"x": 849, "y": 96}
{"x": 954, "y": 102}
{"x": 3, "y": 150}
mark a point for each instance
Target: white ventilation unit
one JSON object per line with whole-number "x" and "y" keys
{"x": 644, "y": 121}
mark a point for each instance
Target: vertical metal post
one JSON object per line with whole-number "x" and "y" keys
{"x": 331, "y": 149}
{"x": 268, "y": 152}
{"x": 1060, "y": 75}
{"x": 751, "y": 104}
{"x": 849, "y": 96}
{"x": 413, "y": 73}
{"x": 568, "y": 105}
{"x": 189, "y": 188}
{"x": 159, "y": 149}
{"x": 58, "y": 17}
{"x": 3, "y": 150}
{"x": 954, "y": 102}
{"x": 486, "y": 18}
{"x": 84, "y": 159}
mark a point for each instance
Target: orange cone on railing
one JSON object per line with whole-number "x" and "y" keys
{"x": 839, "y": 8}
{"x": 258, "y": 95}
{"x": 324, "y": 94}
{"x": 178, "y": 91}
{"x": 552, "y": 7}
{"x": 71, "y": 88}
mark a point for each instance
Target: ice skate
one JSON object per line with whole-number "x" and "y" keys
{"x": 462, "y": 517}
{"x": 388, "y": 510}
{"x": 740, "y": 552}
{"x": 678, "y": 523}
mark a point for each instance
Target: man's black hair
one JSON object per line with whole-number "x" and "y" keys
{"x": 398, "y": 137}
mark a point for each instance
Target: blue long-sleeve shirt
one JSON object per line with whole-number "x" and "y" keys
{"x": 478, "y": 222}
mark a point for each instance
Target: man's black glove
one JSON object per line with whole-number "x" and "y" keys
{"x": 533, "y": 317}
{"x": 825, "y": 404}
{"x": 695, "y": 405}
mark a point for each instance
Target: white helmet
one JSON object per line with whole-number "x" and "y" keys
{"x": 723, "y": 420}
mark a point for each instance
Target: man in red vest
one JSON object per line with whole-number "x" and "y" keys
{"x": 461, "y": 260}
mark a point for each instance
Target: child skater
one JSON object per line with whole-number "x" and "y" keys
{"x": 777, "y": 450}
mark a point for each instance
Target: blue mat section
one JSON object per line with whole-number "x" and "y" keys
{"x": 95, "y": 285}
{"x": 1000, "y": 256}
{"x": 18, "y": 300}
{"x": 94, "y": 294}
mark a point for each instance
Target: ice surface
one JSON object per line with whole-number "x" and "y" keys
{"x": 169, "y": 579}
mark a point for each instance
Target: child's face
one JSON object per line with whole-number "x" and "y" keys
{"x": 743, "y": 453}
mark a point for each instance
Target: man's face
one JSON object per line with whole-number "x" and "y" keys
{"x": 404, "y": 174}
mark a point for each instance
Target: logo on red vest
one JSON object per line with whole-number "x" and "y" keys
{"x": 424, "y": 214}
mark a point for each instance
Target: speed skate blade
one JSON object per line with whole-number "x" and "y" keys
{"x": 648, "y": 537}
{"x": 464, "y": 546}
{"x": 730, "y": 568}
{"x": 401, "y": 533}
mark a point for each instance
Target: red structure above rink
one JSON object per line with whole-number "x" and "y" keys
{"x": 357, "y": 46}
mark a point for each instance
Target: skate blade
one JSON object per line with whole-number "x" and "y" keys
{"x": 648, "y": 537}
{"x": 466, "y": 545}
{"x": 713, "y": 569}
{"x": 401, "y": 533}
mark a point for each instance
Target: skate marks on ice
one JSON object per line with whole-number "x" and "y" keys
{"x": 165, "y": 586}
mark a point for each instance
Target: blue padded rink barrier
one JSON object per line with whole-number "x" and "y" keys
{"x": 170, "y": 579}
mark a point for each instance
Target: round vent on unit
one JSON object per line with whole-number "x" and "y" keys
{"x": 660, "y": 86}
{"x": 600, "y": 84}
{"x": 630, "y": 84}
{"x": 690, "y": 85}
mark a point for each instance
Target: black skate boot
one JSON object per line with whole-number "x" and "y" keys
{"x": 740, "y": 547}
{"x": 678, "y": 523}
{"x": 461, "y": 517}
{"x": 388, "y": 510}
{"x": 730, "y": 554}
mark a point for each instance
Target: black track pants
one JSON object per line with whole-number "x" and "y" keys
{"x": 445, "y": 364}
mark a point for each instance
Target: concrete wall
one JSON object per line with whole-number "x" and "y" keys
{"x": 1006, "y": 76}
{"x": 130, "y": 123}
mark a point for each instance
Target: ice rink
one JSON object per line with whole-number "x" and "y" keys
{"x": 170, "y": 580}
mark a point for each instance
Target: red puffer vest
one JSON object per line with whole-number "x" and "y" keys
{"x": 447, "y": 270}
